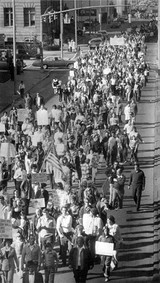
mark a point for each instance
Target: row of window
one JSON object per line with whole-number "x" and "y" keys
{"x": 28, "y": 13}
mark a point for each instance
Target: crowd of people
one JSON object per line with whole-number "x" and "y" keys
{"x": 67, "y": 145}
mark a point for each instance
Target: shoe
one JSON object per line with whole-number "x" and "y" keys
{"x": 107, "y": 279}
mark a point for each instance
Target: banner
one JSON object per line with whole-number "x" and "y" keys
{"x": 2, "y": 128}
{"x": 102, "y": 248}
{"x": 37, "y": 202}
{"x": 117, "y": 40}
{"x": 5, "y": 229}
{"x": 39, "y": 178}
{"x": 22, "y": 114}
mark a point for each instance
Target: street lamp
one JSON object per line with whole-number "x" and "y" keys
{"x": 14, "y": 43}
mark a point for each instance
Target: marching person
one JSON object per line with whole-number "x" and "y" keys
{"x": 80, "y": 260}
{"x": 65, "y": 232}
{"x": 50, "y": 262}
{"x": 31, "y": 252}
{"x": 46, "y": 228}
{"x": 137, "y": 183}
{"x": 9, "y": 260}
{"x": 106, "y": 260}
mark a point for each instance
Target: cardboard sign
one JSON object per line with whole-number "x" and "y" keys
{"x": 7, "y": 150}
{"x": 5, "y": 229}
{"x": 117, "y": 40}
{"x": 39, "y": 178}
{"x": 102, "y": 248}
{"x": 2, "y": 128}
{"x": 22, "y": 114}
{"x": 37, "y": 203}
{"x": 42, "y": 117}
{"x": 107, "y": 71}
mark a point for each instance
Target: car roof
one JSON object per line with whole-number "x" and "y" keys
{"x": 59, "y": 58}
{"x": 96, "y": 39}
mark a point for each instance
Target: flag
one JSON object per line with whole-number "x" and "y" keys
{"x": 53, "y": 159}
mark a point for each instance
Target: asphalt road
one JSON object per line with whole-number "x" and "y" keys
{"x": 136, "y": 256}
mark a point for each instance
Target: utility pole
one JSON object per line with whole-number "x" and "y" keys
{"x": 75, "y": 20}
{"x": 100, "y": 16}
{"x": 158, "y": 38}
{"x": 41, "y": 41}
{"x": 14, "y": 44}
{"x": 61, "y": 27}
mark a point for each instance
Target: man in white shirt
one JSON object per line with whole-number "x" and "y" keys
{"x": 46, "y": 228}
{"x": 64, "y": 229}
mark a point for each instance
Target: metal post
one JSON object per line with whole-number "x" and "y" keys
{"x": 89, "y": 17}
{"x": 75, "y": 13}
{"x": 41, "y": 41}
{"x": 100, "y": 18}
{"x": 158, "y": 37}
{"x": 14, "y": 44}
{"x": 61, "y": 27}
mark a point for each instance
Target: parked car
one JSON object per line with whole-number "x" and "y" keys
{"x": 95, "y": 42}
{"x": 102, "y": 32}
{"x": 4, "y": 65}
{"x": 53, "y": 62}
{"x": 115, "y": 24}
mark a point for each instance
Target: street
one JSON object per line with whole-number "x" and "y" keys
{"x": 136, "y": 256}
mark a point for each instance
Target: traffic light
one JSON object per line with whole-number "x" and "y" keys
{"x": 55, "y": 16}
{"x": 50, "y": 18}
{"x": 44, "y": 19}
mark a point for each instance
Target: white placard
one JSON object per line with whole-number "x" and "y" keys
{"x": 5, "y": 229}
{"x": 37, "y": 202}
{"x": 2, "y": 128}
{"x": 42, "y": 117}
{"x": 22, "y": 114}
{"x": 102, "y": 248}
{"x": 117, "y": 40}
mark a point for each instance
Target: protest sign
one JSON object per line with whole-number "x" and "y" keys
{"x": 2, "y": 128}
{"x": 39, "y": 178}
{"x": 102, "y": 248}
{"x": 7, "y": 150}
{"x": 37, "y": 203}
{"x": 5, "y": 229}
{"x": 21, "y": 114}
{"x": 117, "y": 40}
{"x": 42, "y": 117}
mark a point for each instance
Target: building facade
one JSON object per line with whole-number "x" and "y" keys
{"x": 28, "y": 15}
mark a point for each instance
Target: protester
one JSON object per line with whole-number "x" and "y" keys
{"x": 9, "y": 261}
{"x": 80, "y": 260}
{"x": 137, "y": 183}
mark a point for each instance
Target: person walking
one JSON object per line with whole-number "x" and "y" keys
{"x": 50, "y": 263}
{"x": 80, "y": 260}
{"x": 22, "y": 89}
{"x": 137, "y": 183}
{"x": 9, "y": 260}
{"x": 106, "y": 260}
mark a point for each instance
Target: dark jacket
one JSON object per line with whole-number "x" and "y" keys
{"x": 85, "y": 259}
{"x": 38, "y": 277}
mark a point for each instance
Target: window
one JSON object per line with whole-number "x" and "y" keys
{"x": 29, "y": 17}
{"x": 8, "y": 17}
